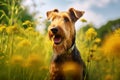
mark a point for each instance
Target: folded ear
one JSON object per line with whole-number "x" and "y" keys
{"x": 50, "y": 13}
{"x": 75, "y": 14}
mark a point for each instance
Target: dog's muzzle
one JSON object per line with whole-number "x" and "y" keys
{"x": 57, "y": 38}
{"x": 54, "y": 30}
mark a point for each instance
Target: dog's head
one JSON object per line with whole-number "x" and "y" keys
{"x": 62, "y": 28}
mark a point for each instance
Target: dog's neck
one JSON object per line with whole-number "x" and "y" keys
{"x": 67, "y": 52}
{"x": 64, "y": 56}
{"x": 70, "y": 49}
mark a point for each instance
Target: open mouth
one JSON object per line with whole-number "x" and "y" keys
{"x": 57, "y": 39}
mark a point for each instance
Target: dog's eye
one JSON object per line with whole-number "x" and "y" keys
{"x": 66, "y": 19}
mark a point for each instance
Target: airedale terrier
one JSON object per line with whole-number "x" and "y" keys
{"x": 67, "y": 63}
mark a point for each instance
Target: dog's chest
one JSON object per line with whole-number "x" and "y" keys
{"x": 62, "y": 58}
{"x": 58, "y": 65}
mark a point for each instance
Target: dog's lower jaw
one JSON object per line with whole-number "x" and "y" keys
{"x": 62, "y": 47}
{"x": 58, "y": 49}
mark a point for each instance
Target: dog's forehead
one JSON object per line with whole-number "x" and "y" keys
{"x": 60, "y": 15}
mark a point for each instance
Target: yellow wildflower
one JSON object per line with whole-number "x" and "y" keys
{"x": 34, "y": 61}
{"x": 28, "y": 23}
{"x": 17, "y": 60}
{"x": 108, "y": 77}
{"x": 24, "y": 43}
{"x": 91, "y": 33}
{"x": 19, "y": 38}
{"x": 30, "y": 29}
{"x": 96, "y": 58}
{"x": 97, "y": 40}
{"x": 35, "y": 33}
{"x": 70, "y": 67}
{"x": 117, "y": 32}
{"x": 111, "y": 46}
{"x": 11, "y": 29}
{"x": 93, "y": 48}
{"x": 2, "y": 28}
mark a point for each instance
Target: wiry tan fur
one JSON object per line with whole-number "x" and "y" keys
{"x": 66, "y": 30}
{"x": 65, "y": 24}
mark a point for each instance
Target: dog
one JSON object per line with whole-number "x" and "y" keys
{"x": 66, "y": 63}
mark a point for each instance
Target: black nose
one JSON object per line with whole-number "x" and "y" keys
{"x": 54, "y": 30}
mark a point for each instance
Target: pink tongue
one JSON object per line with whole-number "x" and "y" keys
{"x": 57, "y": 40}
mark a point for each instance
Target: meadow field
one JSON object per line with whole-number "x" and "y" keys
{"x": 25, "y": 53}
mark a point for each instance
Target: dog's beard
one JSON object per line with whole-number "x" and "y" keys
{"x": 62, "y": 47}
